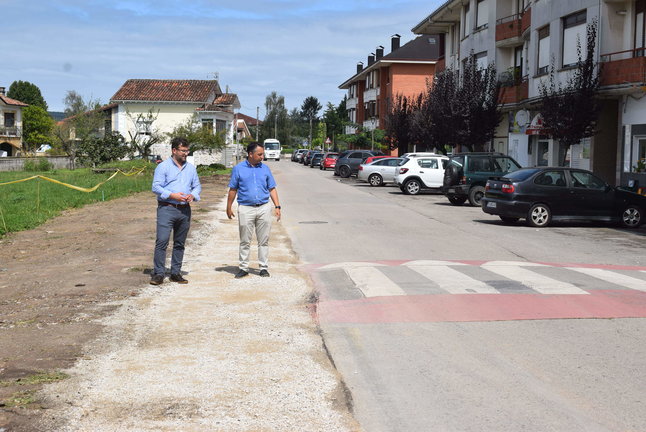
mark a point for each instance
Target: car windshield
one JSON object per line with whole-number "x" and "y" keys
{"x": 403, "y": 161}
{"x": 272, "y": 146}
{"x": 332, "y": 156}
{"x": 521, "y": 175}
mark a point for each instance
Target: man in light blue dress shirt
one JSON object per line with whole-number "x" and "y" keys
{"x": 176, "y": 185}
{"x": 253, "y": 183}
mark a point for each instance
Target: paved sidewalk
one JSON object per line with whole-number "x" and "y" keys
{"x": 218, "y": 354}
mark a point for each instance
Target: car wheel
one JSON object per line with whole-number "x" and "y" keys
{"x": 456, "y": 200}
{"x": 375, "y": 180}
{"x": 632, "y": 217}
{"x": 412, "y": 187}
{"x": 539, "y": 216}
{"x": 321, "y": 168}
{"x": 508, "y": 220}
{"x": 475, "y": 196}
{"x": 344, "y": 171}
{"x": 311, "y": 166}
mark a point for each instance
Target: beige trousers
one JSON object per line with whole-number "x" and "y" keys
{"x": 256, "y": 219}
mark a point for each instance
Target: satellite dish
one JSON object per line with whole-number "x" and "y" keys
{"x": 506, "y": 79}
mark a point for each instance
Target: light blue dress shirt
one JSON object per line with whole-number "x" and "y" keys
{"x": 169, "y": 178}
{"x": 253, "y": 183}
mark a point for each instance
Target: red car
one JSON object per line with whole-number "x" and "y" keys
{"x": 369, "y": 159}
{"x": 329, "y": 160}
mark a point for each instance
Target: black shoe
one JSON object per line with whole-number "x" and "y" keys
{"x": 264, "y": 273}
{"x": 177, "y": 278}
{"x": 241, "y": 274}
{"x": 157, "y": 279}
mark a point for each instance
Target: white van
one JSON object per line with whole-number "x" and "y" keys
{"x": 272, "y": 149}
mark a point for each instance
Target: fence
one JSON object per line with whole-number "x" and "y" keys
{"x": 18, "y": 163}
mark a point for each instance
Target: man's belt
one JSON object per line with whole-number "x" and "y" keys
{"x": 165, "y": 203}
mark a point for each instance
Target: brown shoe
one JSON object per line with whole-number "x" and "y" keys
{"x": 177, "y": 278}
{"x": 157, "y": 279}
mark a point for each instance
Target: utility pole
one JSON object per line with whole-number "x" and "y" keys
{"x": 275, "y": 125}
{"x": 257, "y": 126}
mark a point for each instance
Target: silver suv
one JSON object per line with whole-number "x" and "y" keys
{"x": 421, "y": 172}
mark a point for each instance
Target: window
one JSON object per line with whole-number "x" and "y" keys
{"x": 586, "y": 180}
{"x": 143, "y": 126}
{"x": 543, "y": 50}
{"x": 220, "y": 126}
{"x": 574, "y": 33}
{"x": 551, "y": 178}
{"x": 355, "y": 155}
{"x": 504, "y": 164}
{"x": 467, "y": 20}
{"x": 481, "y": 60}
{"x": 427, "y": 163}
{"x": 9, "y": 119}
{"x": 392, "y": 162}
{"x": 208, "y": 125}
{"x": 482, "y": 18}
{"x": 640, "y": 9}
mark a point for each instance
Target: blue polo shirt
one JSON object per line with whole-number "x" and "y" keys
{"x": 253, "y": 183}
{"x": 169, "y": 179}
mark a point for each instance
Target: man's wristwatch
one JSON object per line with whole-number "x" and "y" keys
{"x": 278, "y": 207}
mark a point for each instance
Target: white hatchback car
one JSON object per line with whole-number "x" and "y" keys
{"x": 421, "y": 172}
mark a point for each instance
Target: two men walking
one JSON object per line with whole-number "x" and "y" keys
{"x": 177, "y": 184}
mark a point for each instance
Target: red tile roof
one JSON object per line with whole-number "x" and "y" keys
{"x": 10, "y": 101}
{"x": 249, "y": 120}
{"x": 223, "y": 102}
{"x": 168, "y": 90}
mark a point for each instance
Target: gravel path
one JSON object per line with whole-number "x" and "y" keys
{"x": 218, "y": 354}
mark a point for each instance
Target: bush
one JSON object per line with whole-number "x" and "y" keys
{"x": 37, "y": 164}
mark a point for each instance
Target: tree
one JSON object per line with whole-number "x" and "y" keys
{"x": 26, "y": 92}
{"x": 37, "y": 127}
{"x": 333, "y": 121}
{"x": 98, "y": 150}
{"x": 310, "y": 110}
{"x": 199, "y": 136}
{"x": 275, "y": 123}
{"x": 570, "y": 111}
{"x": 397, "y": 121}
{"x": 145, "y": 133}
{"x": 84, "y": 121}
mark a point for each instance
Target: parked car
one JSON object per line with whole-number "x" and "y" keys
{"x": 329, "y": 160}
{"x": 316, "y": 159}
{"x": 369, "y": 159}
{"x": 349, "y": 161}
{"x": 298, "y": 154}
{"x": 466, "y": 175}
{"x": 541, "y": 195}
{"x": 380, "y": 171}
{"x": 416, "y": 173}
{"x": 306, "y": 157}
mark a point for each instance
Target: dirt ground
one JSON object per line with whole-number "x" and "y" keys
{"x": 56, "y": 281}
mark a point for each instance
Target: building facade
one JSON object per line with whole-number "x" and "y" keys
{"x": 10, "y": 125}
{"x": 524, "y": 38}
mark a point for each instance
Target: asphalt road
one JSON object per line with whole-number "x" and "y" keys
{"x": 442, "y": 318}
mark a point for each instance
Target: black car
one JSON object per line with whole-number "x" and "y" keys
{"x": 543, "y": 194}
{"x": 349, "y": 161}
{"x": 307, "y": 156}
{"x": 316, "y": 158}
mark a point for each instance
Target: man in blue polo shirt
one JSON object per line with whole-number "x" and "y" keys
{"x": 252, "y": 182}
{"x": 176, "y": 185}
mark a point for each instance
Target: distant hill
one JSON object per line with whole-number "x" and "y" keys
{"x": 56, "y": 115}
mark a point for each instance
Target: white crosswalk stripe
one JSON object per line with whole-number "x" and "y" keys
{"x": 452, "y": 280}
{"x": 535, "y": 281}
{"x": 372, "y": 282}
{"x": 613, "y": 277}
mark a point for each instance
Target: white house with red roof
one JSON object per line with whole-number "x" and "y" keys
{"x": 10, "y": 125}
{"x": 175, "y": 101}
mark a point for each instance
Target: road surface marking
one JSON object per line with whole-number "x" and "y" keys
{"x": 346, "y": 265}
{"x": 432, "y": 263}
{"x": 535, "y": 281}
{"x": 612, "y": 277}
{"x": 372, "y": 282}
{"x": 452, "y": 280}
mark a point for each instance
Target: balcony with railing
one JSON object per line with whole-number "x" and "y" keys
{"x": 514, "y": 91}
{"x": 508, "y": 30}
{"x": 623, "y": 68}
{"x": 10, "y": 131}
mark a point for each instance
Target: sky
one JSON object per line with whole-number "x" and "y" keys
{"x": 296, "y": 48}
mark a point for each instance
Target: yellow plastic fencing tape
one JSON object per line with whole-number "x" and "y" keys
{"x": 78, "y": 188}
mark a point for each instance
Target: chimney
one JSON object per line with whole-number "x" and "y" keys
{"x": 2, "y": 91}
{"x": 380, "y": 52}
{"x": 371, "y": 59}
{"x": 359, "y": 67}
{"x": 394, "y": 42}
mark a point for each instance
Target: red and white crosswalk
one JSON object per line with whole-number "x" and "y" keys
{"x": 435, "y": 290}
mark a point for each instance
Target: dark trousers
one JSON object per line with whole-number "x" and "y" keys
{"x": 170, "y": 219}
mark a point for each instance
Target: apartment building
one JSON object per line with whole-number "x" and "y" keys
{"x": 405, "y": 70}
{"x": 523, "y": 38}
